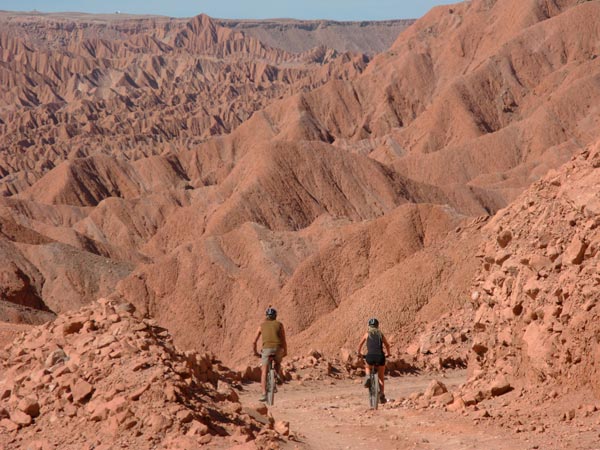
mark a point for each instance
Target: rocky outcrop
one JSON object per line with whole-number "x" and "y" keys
{"x": 100, "y": 378}
{"x": 536, "y": 315}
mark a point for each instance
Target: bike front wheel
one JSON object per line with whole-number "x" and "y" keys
{"x": 271, "y": 380}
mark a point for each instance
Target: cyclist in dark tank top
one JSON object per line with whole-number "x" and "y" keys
{"x": 375, "y": 356}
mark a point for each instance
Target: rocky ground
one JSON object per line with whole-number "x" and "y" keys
{"x": 99, "y": 378}
{"x": 333, "y": 414}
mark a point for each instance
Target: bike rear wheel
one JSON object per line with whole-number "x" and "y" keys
{"x": 374, "y": 389}
{"x": 271, "y": 380}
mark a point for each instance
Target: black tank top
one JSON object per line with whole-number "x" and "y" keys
{"x": 375, "y": 343}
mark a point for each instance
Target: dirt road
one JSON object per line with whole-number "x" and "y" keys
{"x": 334, "y": 415}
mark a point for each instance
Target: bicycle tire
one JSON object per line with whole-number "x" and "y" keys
{"x": 374, "y": 389}
{"x": 271, "y": 384}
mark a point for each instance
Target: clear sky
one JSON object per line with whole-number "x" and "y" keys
{"x": 240, "y": 9}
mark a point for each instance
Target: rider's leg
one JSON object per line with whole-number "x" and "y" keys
{"x": 367, "y": 375}
{"x": 263, "y": 378}
{"x": 381, "y": 372}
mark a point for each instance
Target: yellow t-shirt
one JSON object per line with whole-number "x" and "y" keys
{"x": 271, "y": 334}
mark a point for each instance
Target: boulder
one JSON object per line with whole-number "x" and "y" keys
{"x": 575, "y": 252}
{"x": 29, "y": 406}
{"x": 500, "y": 386}
{"x": 435, "y": 388}
{"x": 457, "y": 405}
{"x": 56, "y": 357}
{"x": 81, "y": 390}
{"x": 282, "y": 427}
{"x": 197, "y": 429}
{"x": 445, "y": 399}
{"x": 504, "y": 238}
{"x": 20, "y": 418}
{"x": 8, "y": 425}
{"x": 72, "y": 326}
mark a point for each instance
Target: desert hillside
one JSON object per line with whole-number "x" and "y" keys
{"x": 335, "y": 185}
{"x": 301, "y": 35}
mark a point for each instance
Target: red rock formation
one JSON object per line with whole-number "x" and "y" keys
{"x": 100, "y": 378}
{"x": 338, "y": 189}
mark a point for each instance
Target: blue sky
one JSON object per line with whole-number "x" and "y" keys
{"x": 240, "y": 9}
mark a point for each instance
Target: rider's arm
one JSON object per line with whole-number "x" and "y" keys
{"x": 283, "y": 341}
{"x": 258, "y": 332}
{"x": 362, "y": 342}
{"x": 387, "y": 346}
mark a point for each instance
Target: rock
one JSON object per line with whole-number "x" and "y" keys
{"x": 314, "y": 354}
{"x": 282, "y": 427}
{"x": 8, "y": 425}
{"x": 259, "y": 408}
{"x": 5, "y": 392}
{"x": 502, "y": 256}
{"x": 184, "y": 416}
{"x": 532, "y": 287}
{"x": 81, "y": 390}
{"x": 125, "y": 308}
{"x": 135, "y": 395}
{"x": 445, "y": 399}
{"x": 504, "y": 238}
{"x": 29, "y": 406}
{"x": 72, "y": 326}
{"x": 422, "y": 403}
{"x": 4, "y": 413}
{"x": 575, "y": 252}
{"x": 197, "y": 429}
{"x": 480, "y": 348}
{"x": 56, "y": 357}
{"x": 20, "y": 418}
{"x": 158, "y": 423}
{"x": 426, "y": 343}
{"x": 116, "y": 405}
{"x": 500, "y": 386}
{"x": 435, "y": 388}
{"x": 449, "y": 339}
{"x": 472, "y": 397}
{"x": 346, "y": 355}
{"x": 482, "y": 414}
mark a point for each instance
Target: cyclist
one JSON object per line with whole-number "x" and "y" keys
{"x": 375, "y": 356}
{"x": 273, "y": 343}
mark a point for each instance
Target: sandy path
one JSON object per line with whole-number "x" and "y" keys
{"x": 336, "y": 416}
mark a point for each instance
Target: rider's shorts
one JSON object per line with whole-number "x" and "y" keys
{"x": 266, "y": 352}
{"x": 375, "y": 359}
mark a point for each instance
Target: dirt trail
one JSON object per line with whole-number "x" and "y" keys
{"x": 335, "y": 416}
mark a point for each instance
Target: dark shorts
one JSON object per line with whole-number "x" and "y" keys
{"x": 373, "y": 360}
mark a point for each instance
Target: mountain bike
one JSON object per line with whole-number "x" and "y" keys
{"x": 271, "y": 381}
{"x": 373, "y": 386}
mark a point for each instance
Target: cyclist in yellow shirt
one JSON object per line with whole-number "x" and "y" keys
{"x": 273, "y": 343}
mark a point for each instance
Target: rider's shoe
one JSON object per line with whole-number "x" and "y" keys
{"x": 263, "y": 398}
{"x": 367, "y": 382}
{"x": 382, "y": 399}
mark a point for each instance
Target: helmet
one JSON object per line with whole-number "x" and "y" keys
{"x": 374, "y": 323}
{"x": 271, "y": 312}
